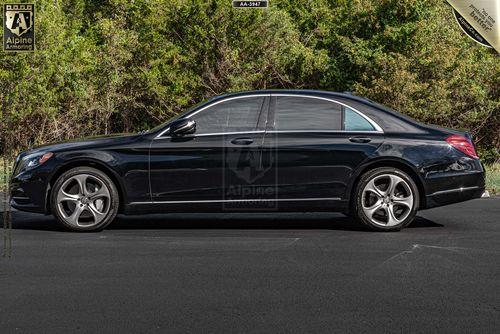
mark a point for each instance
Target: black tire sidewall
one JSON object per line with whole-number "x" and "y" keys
{"x": 114, "y": 200}
{"x": 358, "y": 195}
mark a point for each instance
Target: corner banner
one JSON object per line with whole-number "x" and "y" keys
{"x": 480, "y": 20}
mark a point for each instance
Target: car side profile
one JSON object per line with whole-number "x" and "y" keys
{"x": 269, "y": 150}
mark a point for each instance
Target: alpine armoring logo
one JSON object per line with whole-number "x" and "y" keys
{"x": 250, "y": 178}
{"x": 19, "y": 27}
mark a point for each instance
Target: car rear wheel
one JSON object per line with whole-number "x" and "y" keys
{"x": 386, "y": 199}
{"x": 84, "y": 199}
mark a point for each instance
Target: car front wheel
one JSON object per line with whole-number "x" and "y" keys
{"x": 84, "y": 199}
{"x": 386, "y": 199}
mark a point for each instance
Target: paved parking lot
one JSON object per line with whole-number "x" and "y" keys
{"x": 256, "y": 273}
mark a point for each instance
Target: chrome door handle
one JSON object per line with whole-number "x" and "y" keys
{"x": 360, "y": 139}
{"x": 242, "y": 141}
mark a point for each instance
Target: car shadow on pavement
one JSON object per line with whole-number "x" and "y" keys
{"x": 252, "y": 221}
{"x": 279, "y": 221}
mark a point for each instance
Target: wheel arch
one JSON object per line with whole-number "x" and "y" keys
{"x": 401, "y": 164}
{"x": 87, "y": 162}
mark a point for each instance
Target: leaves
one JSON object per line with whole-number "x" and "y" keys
{"x": 122, "y": 66}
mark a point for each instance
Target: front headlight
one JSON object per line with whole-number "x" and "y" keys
{"x": 33, "y": 160}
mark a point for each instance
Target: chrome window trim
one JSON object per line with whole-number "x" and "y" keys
{"x": 270, "y": 131}
{"x": 242, "y": 200}
{"x": 211, "y": 105}
{"x": 227, "y": 99}
{"x": 377, "y": 127}
{"x": 228, "y": 133}
{"x": 321, "y": 131}
{"x": 161, "y": 133}
{"x": 215, "y": 134}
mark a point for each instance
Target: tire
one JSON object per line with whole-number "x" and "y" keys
{"x": 381, "y": 208}
{"x": 84, "y": 199}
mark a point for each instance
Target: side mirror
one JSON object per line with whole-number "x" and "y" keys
{"x": 182, "y": 127}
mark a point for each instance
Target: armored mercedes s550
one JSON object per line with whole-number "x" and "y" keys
{"x": 269, "y": 150}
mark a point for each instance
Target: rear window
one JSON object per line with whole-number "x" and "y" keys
{"x": 304, "y": 113}
{"x": 355, "y": 122}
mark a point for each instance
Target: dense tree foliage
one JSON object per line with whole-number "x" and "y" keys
{"x": 125, "y": 65}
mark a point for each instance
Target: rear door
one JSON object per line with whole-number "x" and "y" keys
{"x": 313, "y": 145}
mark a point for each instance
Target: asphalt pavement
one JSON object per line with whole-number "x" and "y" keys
{"x": 255, "y": 273}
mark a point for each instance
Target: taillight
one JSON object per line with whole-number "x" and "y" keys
{"x": 462, "y": 144}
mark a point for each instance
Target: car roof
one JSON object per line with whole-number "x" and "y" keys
{"x": 321, "y": 93}
{"x": 314, "y": 92}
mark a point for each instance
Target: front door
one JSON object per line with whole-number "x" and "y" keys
{"x": 215, "y": 163}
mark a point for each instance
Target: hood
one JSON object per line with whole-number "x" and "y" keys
{"x": 93, "y": 142}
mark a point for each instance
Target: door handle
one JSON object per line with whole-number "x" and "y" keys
{"x": 242, "y": 141}
{"x": 360, "y": 139}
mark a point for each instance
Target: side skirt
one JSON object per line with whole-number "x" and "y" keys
{"x": 249, "y": 205}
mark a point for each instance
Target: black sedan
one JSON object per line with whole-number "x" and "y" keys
{"x": 272, "y": 150}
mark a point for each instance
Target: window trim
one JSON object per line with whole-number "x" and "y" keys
{"x": 261, "y": 111}
{"x": 225, "y": 133}
{"x": 271, "y": 106}
{"x": 377, "y": 127}
{"x": 322, "y": 131}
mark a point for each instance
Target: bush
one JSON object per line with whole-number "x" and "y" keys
{"x": 122, "y": 66}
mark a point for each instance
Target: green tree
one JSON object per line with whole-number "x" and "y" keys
{"x": 121, "y": 66}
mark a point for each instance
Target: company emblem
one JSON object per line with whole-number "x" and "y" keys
{"x": 19, "y": 27}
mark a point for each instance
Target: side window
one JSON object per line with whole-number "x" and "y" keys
{"x": 303, "y": 113}
{"x": 355, "y": 122}
{"x": 230, "y": 116}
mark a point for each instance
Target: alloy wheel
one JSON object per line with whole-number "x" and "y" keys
{"x": 387, "y": 200}
{"x": 83, "y": 200}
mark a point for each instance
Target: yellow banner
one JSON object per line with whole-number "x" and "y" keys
{"x": 483, "y": 16}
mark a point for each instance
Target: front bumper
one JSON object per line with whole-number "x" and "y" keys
{"x": 28, "y": 195}
{"x": 29, "y": 190}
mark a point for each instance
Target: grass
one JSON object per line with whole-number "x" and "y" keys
{"x": 492, "y": 176}
{"x": 4, "y": 173}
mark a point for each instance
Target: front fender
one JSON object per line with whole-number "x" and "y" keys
{"x": 103, "y": 161}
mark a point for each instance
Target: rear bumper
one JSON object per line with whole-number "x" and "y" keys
{"x": 451, "y": 196}
{"x": 454, "y": 186}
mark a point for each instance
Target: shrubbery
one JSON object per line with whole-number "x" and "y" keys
{"x": 123, "y": 65}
